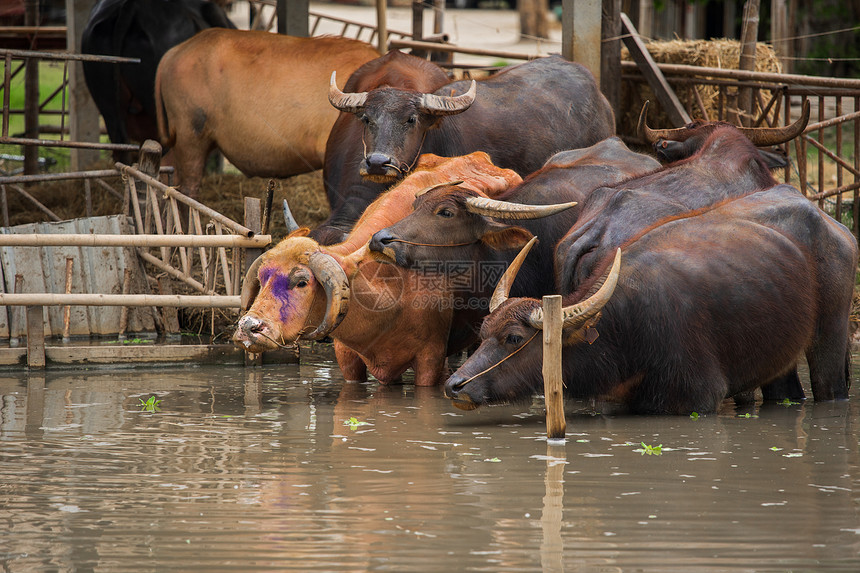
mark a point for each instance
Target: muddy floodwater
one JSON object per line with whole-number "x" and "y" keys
{"x": 288, "y": 468}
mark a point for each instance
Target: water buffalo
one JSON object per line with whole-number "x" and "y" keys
{"x": 520, "y": 116}
{"x": 143, "y": 29}
{"x": 728, "y": 277}
{"x": 452, "y": 224}
{"x": 706, "y": 305}
{"x": 258, "y": 97}
{"x": 382, "y": 318}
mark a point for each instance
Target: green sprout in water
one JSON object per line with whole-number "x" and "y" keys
{"x": 650, "y": 450}
{"x": 151, "y": 405}
{"x": 787, "y": 402}
{"x": 694, "y": 416}
{"x": 353, "y": 423}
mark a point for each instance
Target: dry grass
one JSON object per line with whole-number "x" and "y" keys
{"x": 719, "y": 53}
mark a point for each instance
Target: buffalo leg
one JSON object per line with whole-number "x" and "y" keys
{"x": 829, "y": 361}
{"x": 351, "y": 364}
{"x": 784, "y": 387}
{"x": 430, "y": 368}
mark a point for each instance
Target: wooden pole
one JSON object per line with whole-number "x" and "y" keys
{"x": 664, "y": 93}
{"x": 67, "y": 311}
{"x": 749, "y": 36}
{"x": 252, "y": 221}
{"x": 382, "y": 25}
{"x": 552, "y": 378}
{"x": 84, "y": 115}
{"x": 38, "y": 300}
{"x": 31, "y": 94}
{"x": 418, "y": 26}
{"x": 35, "y": 337}
{"x": 581, "y": 33}
{"x": 92, "y": 240}
{"x": 779, "y": 33}
{"x": 610, "y": 60}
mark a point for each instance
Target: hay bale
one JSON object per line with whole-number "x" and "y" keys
{"x": 718, "y": 53}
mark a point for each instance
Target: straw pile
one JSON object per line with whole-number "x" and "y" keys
{"x": 719, "y": 53}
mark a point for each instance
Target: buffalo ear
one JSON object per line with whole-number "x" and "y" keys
{"x": 502, "y": 237}
{"x": 773, "y": 159}
{"x": 300, "y": 232}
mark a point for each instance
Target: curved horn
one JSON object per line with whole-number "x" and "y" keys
{"x": 577, "y": 314}
{"x": 251, "y": 284}
{"x": 652, "y": 135}
{"x": 764, "y": 136}
{"x": 289, "y": 220}
{"x": 503, "y": 289}
{"x": 506, "y": 210}
{"x": 437, "y": 186}
{"x": 350, "y": 102}
{"x": 333, "y": 278}
{"x": 447, "y": 105}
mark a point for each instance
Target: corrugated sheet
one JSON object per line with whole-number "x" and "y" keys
{"x": 96, "y": 270}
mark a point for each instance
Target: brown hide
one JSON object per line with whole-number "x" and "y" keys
{"x": 260, "y": 98}
{"x": 395, "y": 319}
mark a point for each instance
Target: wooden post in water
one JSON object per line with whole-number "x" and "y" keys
{"x": 552, "y": 382}
{"x": 253, "y": 220}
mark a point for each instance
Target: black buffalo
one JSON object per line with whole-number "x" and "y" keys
{"x": 143, "y": 29}
{"x": 520, "y": 116}
{"x": 726, "y": 279}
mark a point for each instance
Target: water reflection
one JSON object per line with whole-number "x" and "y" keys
{"x": 290, "y": 468}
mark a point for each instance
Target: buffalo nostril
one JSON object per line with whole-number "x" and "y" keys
{"x": 377, "y": 160}
{"x": 250, "y": 324}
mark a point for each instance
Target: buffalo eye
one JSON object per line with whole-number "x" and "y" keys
{"x": 302, "y": 284}
{"x": 513, "y": 339}
{"x": 412, "y": 119}
{"x": 446, "y": 213}
{"x": 364, "y": 119}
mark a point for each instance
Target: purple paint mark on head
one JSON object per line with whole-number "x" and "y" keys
{"x": 279, "y": 285}
{"x": 265, "y": 274}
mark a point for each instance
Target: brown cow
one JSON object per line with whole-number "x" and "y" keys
{"x": 260, "y": 98}
{"x": 382, "y": 318}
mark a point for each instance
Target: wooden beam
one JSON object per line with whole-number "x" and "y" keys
{"x": 84, "y": 115}
{"x": 293, "y": 17}
{"x": 581, "y": 33}
{"x": 664, "y": 93}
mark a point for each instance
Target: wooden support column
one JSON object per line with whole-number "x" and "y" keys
{"x": 382, "y": 26}
{"x": 581, "y": 33}
{"x": 35, "y": 337}
{"x": 610, "y": 60}
{"x": 749, "y": 36}
{"x": 84, "y": 115}
{"x": 293, "y": 16}
{"x": 253, "y": 221}
{"x": 552, "y": 378}
{"x": 31, "y": 95}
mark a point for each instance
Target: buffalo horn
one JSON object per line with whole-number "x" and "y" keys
{"x": 574, "y": 316}
{"x": 447, "y": 105}
{"x": 759, "y": 136}
{"x": 437, "y": 186}
{"x": 251, "y": 284}
{"x": 333, "y": 278}
{"x": 503, "y": 289}
{"x": 349, "y": 103}
{"x": 505, "y": 210}
{"x": 764, "y": 136}
{"x": 653, "y": 135}
{"x": 289, "y": 220}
